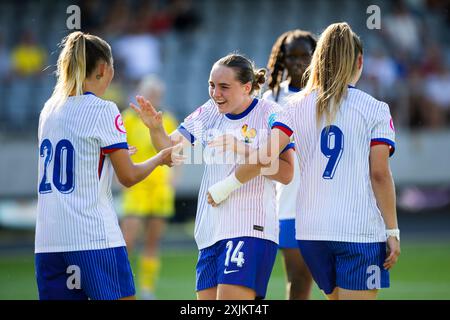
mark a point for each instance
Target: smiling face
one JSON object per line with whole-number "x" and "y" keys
{"x": 298, "y": 53}
{"x": 229, "y": 94}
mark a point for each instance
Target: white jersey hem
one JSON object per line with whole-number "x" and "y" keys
{"x": 342, "y": 238}
{"x": 81, "y": 247}
{"x": 231, "y": 236}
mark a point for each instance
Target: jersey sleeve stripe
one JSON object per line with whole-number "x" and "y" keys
{"x": 186, "y": 133}
{"x": 288, "y": 131}
{"x": 291, "y": 145}
{"x": 388, "y": 142}
{"x": 100, "y": 164}
{"x": 114, "y": 147}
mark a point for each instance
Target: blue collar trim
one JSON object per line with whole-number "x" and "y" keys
{"x": 243, "y": 114}
{"x": 294, "y": 89}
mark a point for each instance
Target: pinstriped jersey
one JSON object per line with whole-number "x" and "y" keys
{"x": 286, "y": 194}
{"x": 75, "y": 204}
{"x": 250, "y": 210}
{"x": 335, "y": 200}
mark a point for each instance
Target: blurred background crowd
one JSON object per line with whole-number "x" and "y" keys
{"x": 406, "y": 63}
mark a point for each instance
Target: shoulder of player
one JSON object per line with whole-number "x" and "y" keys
{"x": 206, "y": 112}
{"x": 266, "y": 105}
{"x": 105, "y": 106}
{"x": 369, "y": 99}
{"x": 209, "y": 105}
{"x": 207, "y": 108}
{"x": 268, "y": 95}
{"x": 105, "y": 112}
{"x": 106, "y": 103}
{"x": 295, "y": 102}
{"x": 99, "y": 103}
{"x": 284, "y": 85}
{"x": 370, "y": 107}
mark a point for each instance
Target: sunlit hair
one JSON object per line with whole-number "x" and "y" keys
{"x": 333, "y": 65}
{"x": 277, "y": 58}
{"x": 78, "y": 59}
{"x": 245, "y": 70}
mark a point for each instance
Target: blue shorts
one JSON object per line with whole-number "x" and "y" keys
{"x": 287, "y": 234}
{"x": 80, "y": 275}
{"x": 244, "y": 261}
{"x": 347, "y": 265}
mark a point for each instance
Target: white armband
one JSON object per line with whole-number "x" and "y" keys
{"x": 393, "y": 233}
{"x": 222, "y": 189}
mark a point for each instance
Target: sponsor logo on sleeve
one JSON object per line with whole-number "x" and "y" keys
{"x": 119, "y": 124}
{"x": 391, "y": 124}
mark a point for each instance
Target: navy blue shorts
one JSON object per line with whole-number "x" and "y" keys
{"x": 347, "y": 265}
{"x": 80, "y": 275}
{"x": 287, "y": 234}
{"x": 244, "y": 261}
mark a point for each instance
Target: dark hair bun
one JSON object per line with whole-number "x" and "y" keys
{"x": 260, "y": 79}
{"x": 260, "y": 76}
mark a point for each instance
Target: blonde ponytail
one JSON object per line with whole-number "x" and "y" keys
{"x": 76, "y": 62}
{"x": 332, "y": 67}
{"x": 71, "y": 67}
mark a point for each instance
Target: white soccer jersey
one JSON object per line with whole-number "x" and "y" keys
{"x": 75, "y": 204}
{"x": 251, "y": 210}
{"x": 286, "y": 194}
{"x": 335, "y": 200}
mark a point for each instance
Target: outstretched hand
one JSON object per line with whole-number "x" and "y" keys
{"x": 148, "y": 114}
{"x": 172, "y": 156}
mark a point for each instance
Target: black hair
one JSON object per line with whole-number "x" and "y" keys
{"x": 275, "y": 64}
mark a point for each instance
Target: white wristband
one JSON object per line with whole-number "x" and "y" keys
{"x": 222, "y": 189}
{"x": 393, "y": 233}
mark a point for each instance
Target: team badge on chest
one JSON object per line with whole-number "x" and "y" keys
{"x": 247, "y": 133}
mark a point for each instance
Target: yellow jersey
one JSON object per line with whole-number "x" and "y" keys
{"x": 138, "y": 136}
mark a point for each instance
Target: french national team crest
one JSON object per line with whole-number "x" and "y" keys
{"x": 248, "y": 134}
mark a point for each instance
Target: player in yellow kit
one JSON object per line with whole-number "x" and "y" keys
{"x": 151, "y": 202}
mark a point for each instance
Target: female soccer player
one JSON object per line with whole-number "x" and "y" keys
{"x": 238, "y": 241}
{"x": 151, "y": 202}
{"x": 80, "y": 250}
{"x": 346, "y": 223}
{"x": 290, "y": 56}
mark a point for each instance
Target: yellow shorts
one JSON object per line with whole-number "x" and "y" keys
{"x": 156, "y": 202}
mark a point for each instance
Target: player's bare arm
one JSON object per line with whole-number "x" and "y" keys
{"x": 267, "y": 162}
{"x": 285, "y": 171}
{"x": 130, "y": 173}
{"x": 384, "y": 190}
{"x": 284, "y": 167}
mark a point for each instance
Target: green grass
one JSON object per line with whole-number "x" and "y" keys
{"x": 421, "y": 273}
